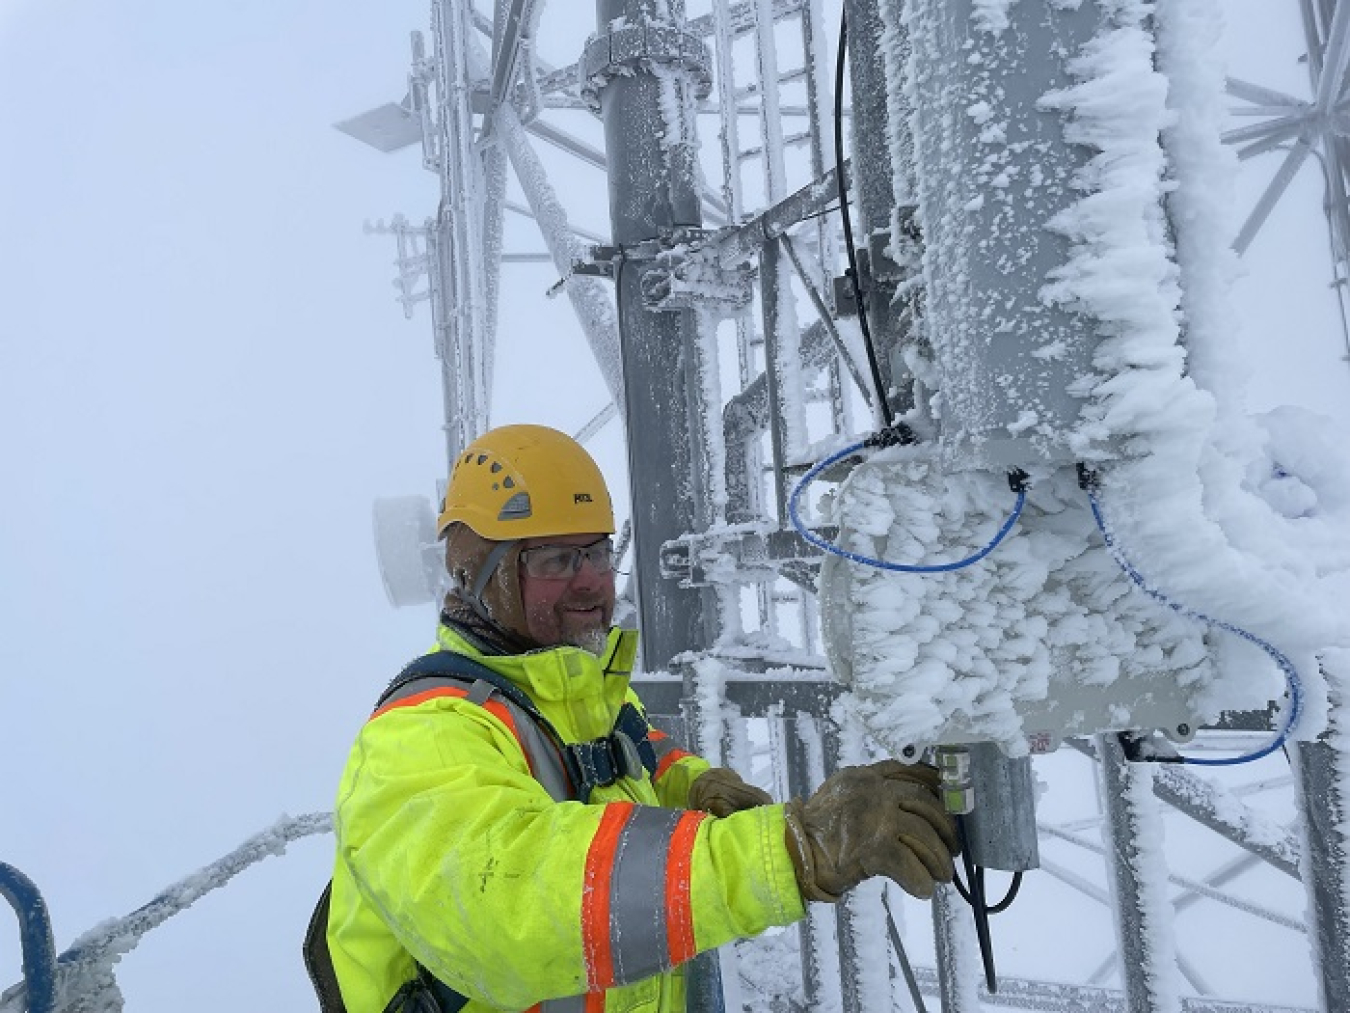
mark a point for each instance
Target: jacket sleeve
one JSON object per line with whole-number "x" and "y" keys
{"x": 676, "y": 768}
{"x": 512, "y": 898}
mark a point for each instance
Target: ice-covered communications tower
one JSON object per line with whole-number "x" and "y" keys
{"x": 1034, "y": 510}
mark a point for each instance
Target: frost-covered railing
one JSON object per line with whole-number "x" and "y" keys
{"x": 1052, "y": 997}
{"x": 35, "y": 936}
{"x": 82, "y": 976}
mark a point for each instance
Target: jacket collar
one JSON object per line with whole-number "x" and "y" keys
{"x": 579, "y": 692}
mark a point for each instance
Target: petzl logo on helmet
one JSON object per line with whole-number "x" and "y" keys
{"x": 581, "y": 497}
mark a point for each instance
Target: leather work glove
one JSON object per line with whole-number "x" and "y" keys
{"x": 721, "y": 791}
{"x": 881, "y": 820}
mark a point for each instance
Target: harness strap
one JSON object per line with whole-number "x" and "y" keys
{"x": 626, "y": 752}
{"x": 480, "y": 692}
{"x": 632, "y": 723}
{"x": 485, "y": 572}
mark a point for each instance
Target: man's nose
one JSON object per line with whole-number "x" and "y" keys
{"x": 586, "y": 574}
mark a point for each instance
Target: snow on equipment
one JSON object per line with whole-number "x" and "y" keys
{"x": 1052, "y": 342}
{"x": 1051, "y": 301}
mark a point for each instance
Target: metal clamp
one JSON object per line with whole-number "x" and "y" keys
{"x": 625, "y": 50}
{"x": 676, "y": 274}
{"x": 679, "y": 280}
{"x": 737, "y": 555}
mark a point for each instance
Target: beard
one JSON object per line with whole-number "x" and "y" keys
{"x": 594, "y": 639}
{"x": 590, "y": 634}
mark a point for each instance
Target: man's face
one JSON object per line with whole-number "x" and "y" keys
{"x": 575, "y": 608}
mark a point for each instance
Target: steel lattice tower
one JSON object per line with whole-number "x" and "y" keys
{"x": 730, "y": 346}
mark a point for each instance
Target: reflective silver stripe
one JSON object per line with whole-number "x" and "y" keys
{"x": 572, "y": 1004}
{"x": 545, "y": 760}
{"x": 637, "y": 894}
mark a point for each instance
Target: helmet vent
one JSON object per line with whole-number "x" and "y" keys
{"x": 517, "y": 507}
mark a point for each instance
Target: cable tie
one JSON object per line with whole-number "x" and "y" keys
{"x": 1142, "y": 748}
{"x": 900, "y": 434}
{"x": 1088, "y": 480}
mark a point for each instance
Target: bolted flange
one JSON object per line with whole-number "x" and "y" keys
{"x": 624, "y": 51}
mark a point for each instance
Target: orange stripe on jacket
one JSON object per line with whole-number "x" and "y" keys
{"x": 423, "y": 697}
{"x": 679, "y": 872}
{"x": 595, "y": 940}
{"x": 655, "y": 736}
{"x": 670, "y": 759}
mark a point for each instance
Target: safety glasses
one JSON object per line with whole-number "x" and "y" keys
{"x": 558, "y": 562}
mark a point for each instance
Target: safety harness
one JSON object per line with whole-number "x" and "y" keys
{"x": 566, "y": 770}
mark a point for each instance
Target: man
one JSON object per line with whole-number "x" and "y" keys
{"x": 473, "y": 870}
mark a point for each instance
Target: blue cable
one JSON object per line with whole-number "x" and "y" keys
{"x": 35, "y": 934}
{"x": 881, "y": 564}
{"x": 1286, "y": 666}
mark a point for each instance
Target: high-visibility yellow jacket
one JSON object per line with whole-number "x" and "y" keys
{"x": 452, "y": 855}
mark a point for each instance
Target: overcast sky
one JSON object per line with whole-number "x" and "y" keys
{"x": 204, "y": 382}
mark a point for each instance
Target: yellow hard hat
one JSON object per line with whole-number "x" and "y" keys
{"x": 526, "y": 482}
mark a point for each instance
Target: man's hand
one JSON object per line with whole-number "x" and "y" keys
{"x": 882, "y": 820}
{"x": 722, "y": 792}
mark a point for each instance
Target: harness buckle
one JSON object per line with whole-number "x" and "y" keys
{"x": 627, "y": 760}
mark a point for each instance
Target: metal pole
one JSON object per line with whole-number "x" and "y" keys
{"x": 1001, "y": 830}
{"x": 782, "y": 351}
{"x": 984, "y": 310}
{"x": 873, "y": 195}
{"x": 816, "y": 931}
{"x": 493, "y": 226}
{"x": 848, "y": 914}
{"x": 745, "y": 501}
{"x": 460, "y": 303}
{"x": 773, "y": 308}
{"x": 958, "y": 966}
{"x": 1180, "y": 788}
{"x": 1321, "y": 768}
{"x": 590, "y": 302}
{"x": 1138, "y": 882}
{"x": 653, "y": 189}
{"x": 873, "y": 180}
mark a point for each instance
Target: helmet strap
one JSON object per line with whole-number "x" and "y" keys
{"x": 485, "y": 572}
